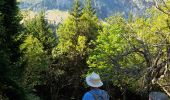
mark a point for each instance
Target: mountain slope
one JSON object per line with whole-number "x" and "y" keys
{"x": 104, "y": 8}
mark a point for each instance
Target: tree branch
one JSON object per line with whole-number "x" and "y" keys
{"x": 160, "y": 9}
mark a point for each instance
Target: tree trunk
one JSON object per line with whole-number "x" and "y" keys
{"x": 124, "y": 94}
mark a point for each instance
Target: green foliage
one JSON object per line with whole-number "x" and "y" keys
{"x": 113, "y": 57}
{"x": 76, "y": 10}
{"x": 39, "y": 28}
{"x": 75, "y": 37}
{"x": 78, "y": 25}
{"x": 36, "y": 60}
{"x": 81, "y": 45}
{"x": 133, "y": 51}
{"x": 88, "y": 8}
{"x": 32, "y": 97}
{"x": 9, "y": 49}
{"x": 39, "y": 41}
{"x": 9, "y": 29}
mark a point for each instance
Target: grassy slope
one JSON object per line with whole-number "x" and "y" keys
{"x": 53, "y": 16}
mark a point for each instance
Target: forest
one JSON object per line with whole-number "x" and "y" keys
{"x": 44, "y": 61}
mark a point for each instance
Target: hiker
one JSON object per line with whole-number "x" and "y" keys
{"x": 94, "y": 81}
{"x": 158, "y": 96}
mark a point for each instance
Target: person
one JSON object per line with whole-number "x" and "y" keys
{"x": 158, "y": 96}
{"x": 93, "y": 80}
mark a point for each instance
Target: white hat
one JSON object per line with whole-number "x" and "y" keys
{"x": 94, "y": 80}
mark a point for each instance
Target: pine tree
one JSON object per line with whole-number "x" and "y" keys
{"x": 76, "y": 10}
{"x": 76, "y": 13}
{"x": 72, "y": 50}
{"x": 39, "y": 41}
{"x": 9, "y": 48}
{"x": 88, "y": 8}
{"x": 40, "y": 29}
{"x": 90, "y": 22}
{"x": 10, "y": 22}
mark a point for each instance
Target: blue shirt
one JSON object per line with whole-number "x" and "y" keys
{"x": 89, "y": 96}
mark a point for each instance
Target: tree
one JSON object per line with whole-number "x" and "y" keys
{"x": 114, "y": 58}
{"x": 66, "y": 54}
{"x": 89, "y": 22}
{"x": 136, "y": 50}
{"x": 9, "y": 52}
{"x": 36, "y": 63}
{"x": 39, "y": 40}
{"x": 75, "y": 36}
{"x": 163, "y": 28}
{"x": 39, "y": 28}
{"x": 89, "y": 8}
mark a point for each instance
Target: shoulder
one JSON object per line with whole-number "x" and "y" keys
{"x": 87, "y": 96}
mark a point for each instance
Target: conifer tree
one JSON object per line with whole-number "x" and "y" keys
{"x": 39, "y": 41}
{"x": 72, "y": 50}
{"x": 40, "y": 29}
{"x": 90, "y": 22}
{"x": 9, "y": 48}
{"x": 88, "y": 8}
{"x": 76, "y": 11}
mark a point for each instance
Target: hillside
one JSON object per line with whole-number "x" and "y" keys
{"x": 104, "y": 8}
{"x": 53, "y": 16}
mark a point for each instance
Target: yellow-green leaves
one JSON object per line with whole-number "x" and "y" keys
{"x": 125, "y": 49}
{"x": 31, "y": 42}
{"x": 81, "y": 45}
{"x": 36, "y": 59}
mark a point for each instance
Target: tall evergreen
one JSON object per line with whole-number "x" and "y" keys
{"x": 76, "y": 10}
{"x": 76, "y": 13}
{"x": 90, "y": 22}
{"x": 10, "y": 22}
{"x": 9, "y": 47}
{"x": 39, "y": 41}
{"x": 71, "y": 53}
{"x": 89, "y": 8}
{"x": 40, "y": 29}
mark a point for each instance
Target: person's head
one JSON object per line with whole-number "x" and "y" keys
{"x": 93, "y": 80}
{"x": 158, "y": 96}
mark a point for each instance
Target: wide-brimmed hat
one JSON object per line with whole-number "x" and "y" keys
{"x": 94, "y": 80}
